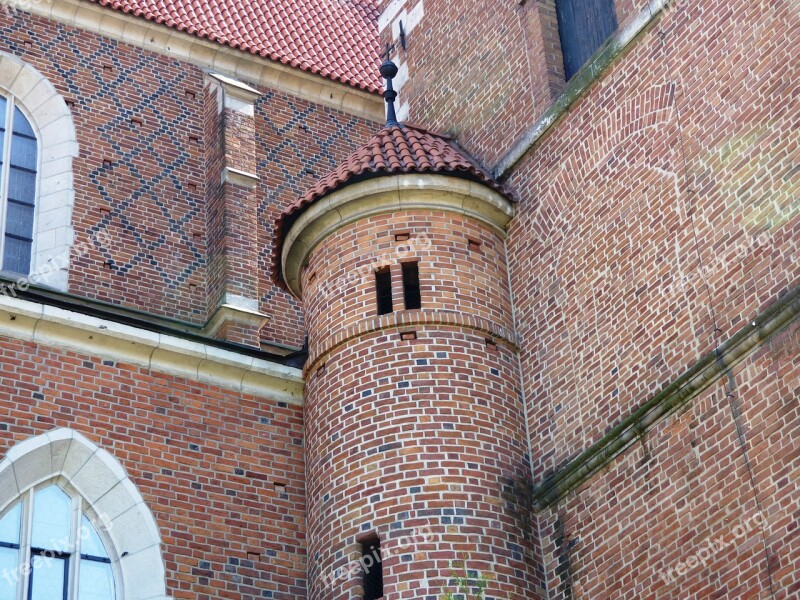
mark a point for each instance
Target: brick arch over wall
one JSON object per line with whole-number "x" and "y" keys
{"x": 67, "y": 456}
{"x": 55, "y": 195}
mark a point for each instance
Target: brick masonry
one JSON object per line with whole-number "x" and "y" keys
{"x": 141, "y": 177}
{"x": 207, "y": 462}
{"x": 656, "y": 219}
{"x": 419, "y": 439}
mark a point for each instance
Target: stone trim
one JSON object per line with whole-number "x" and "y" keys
{"x": 82, "y": 468}
{"x": 51, "y": 118}
{"x": 403, "y": 320}
{"x": 238, "y": 96}
{"x": 240, "y": 178}
{"x": 231, "y": 312}
{"x": 384, "y": 195}
{"x": 708, "y": 370}
{"x": 205, "y": 54}
{"x": 580, "y": 83}
{"x": 52, "y": 326}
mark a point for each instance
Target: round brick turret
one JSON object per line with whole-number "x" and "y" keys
{"x": 415, "y": 429}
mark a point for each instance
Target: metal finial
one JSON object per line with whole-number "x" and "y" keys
{"x": 388, "y": 72}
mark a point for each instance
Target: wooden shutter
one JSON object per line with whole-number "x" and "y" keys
{"x": 584, "y": 25}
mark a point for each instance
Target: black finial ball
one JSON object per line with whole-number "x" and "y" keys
{"x": 388, "y": 70}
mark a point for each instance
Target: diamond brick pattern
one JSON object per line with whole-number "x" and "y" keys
{"x": 136, "y": 162}
{"x": 296, "y": 141}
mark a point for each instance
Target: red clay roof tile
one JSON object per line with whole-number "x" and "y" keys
{"x": 400, "y": 149}
{"x": 396, "y": 149}
{"x": 337, "y": 39}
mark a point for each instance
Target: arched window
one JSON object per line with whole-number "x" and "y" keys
{"x": 19, "y": 155}
{"x": 38, "y": 143}
{"x": 63, "y": 496}
{"x": 51, "y": 550}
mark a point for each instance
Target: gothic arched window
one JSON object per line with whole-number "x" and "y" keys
{"x": 51, "y": 550}
{"x": 19, "y": 156}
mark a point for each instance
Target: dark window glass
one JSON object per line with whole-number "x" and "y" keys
{"x": 20, "y": 201}
{"x": 411, "y": 286}
{"x": 373, "y": 569}
{"x": 383, "y": 290}
{"x": 584, "y": 26}
{"x": 16, "y": 255}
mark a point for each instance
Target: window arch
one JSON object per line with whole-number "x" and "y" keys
{"x": 38, "y": 146}
{"x": 70, "y": 466}
{"x": 51, "y": 549}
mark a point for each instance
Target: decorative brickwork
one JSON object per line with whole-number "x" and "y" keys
{"x": 656, "y": 216}
{"x": 141, "y": 178}
{"x": 297, "y": 142}
{"x": 140, "y": 137}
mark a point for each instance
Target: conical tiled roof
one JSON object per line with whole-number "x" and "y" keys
{"x": 395, "y": 150}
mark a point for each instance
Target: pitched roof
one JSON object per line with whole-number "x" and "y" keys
{"x": 337, "y": 39}
{"x": 395, "y": 150}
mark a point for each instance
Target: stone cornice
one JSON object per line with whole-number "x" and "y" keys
{"x": 195, "y": 361}
{"x": 205, "y": 54}
{"x": 384, "y": 195}
{"x": 710, "y": 369}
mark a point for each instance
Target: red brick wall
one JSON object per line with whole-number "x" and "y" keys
{"x": 206, "y": 461}
{"x": 145, "y": 139}
{"x": 656, "y": 220}
{"x": 422, "y": 442}
{"x": 681, "y": 516}
{"x": 470, "y": 73}
{"x": 641, "y": 229}
{"x": 419, "y": 440}
{"x": 486, "y": 75}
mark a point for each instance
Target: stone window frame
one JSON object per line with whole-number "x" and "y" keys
{"x": 51, "y": 119}
{"x": 82, "y": 468}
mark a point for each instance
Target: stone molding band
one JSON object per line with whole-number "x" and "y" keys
{"x": 384, "y": 195}
{"x": 195, "y": 361}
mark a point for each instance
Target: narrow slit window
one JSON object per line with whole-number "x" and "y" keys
{"x": 383, "y": 290}
{"x": 373, "y": 569}
{"x": 411, "y": 286}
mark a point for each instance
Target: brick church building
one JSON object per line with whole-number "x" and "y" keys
{"x": 401, "y": 299}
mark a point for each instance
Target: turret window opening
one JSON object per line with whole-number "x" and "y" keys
{"x": 373, "y": 568}
{"x": 383, "y": 290}
{"x": 411, "y": 291}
